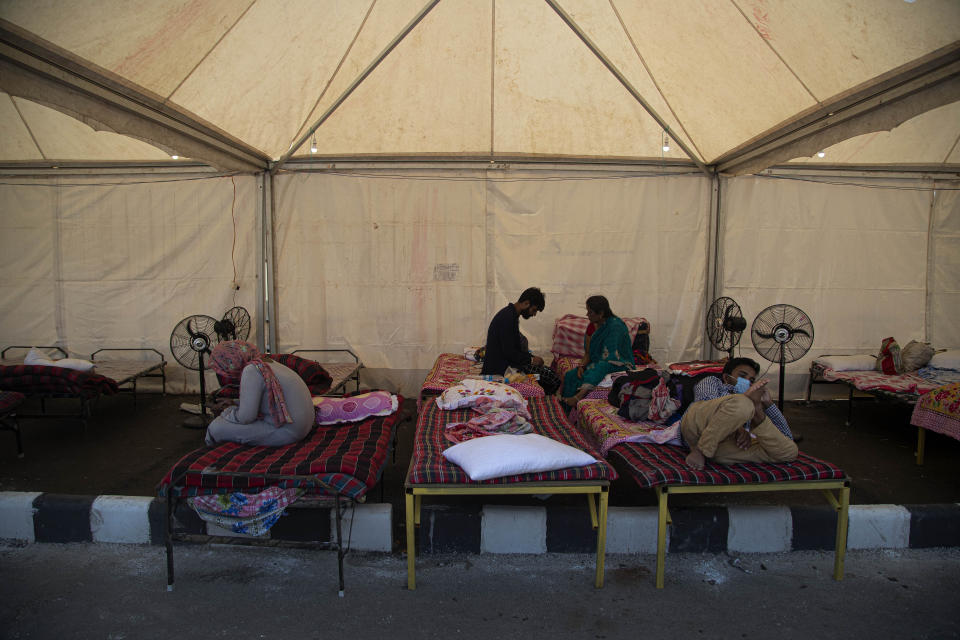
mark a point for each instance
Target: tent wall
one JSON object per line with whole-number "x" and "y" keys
{"x": 101, "y": 262}
{"x": 406, "y": 264}
{"x": 943, "y": 278}
{"x": 852, "y": 253}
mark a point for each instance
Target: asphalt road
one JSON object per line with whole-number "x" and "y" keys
{"x": 118, "y": 592}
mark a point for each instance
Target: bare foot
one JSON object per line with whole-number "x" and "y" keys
{"x": 570, "y": 402}
{"x": 695, "y": 459}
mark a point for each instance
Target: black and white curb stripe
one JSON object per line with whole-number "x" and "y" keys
{"x": 44, "y": 517}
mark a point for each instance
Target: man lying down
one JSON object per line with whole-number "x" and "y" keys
{"x": 732, "y": 419}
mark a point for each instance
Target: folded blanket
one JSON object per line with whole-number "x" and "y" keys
{"x": 940, "y": 376}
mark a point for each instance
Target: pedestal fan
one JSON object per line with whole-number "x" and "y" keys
{"x": 782, "y": 333}
{"x": 725, "y": 324}
{"x": 235, "y": 325}
{"x": 189, "y": 343}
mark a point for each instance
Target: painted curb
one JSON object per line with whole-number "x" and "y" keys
{"x": 27, "y": 517}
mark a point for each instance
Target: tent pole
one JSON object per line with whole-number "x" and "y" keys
{"x": 356, "y": 83}
{"x": 929, "y": 283}
{"x": 712, "y": 288}
{"x": 626, "y": 83}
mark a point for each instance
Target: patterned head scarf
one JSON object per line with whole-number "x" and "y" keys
{"x": 229, "y": 358}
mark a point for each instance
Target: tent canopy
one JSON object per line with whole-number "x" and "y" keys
{"x": 244, "y": 85}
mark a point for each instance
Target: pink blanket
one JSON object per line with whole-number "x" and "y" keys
{"x": 874, "y": 380}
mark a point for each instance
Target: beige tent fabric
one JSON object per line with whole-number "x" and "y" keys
{"x": 92, "y": 265}
{"x": 496, "y": 76}
{"x": 854, "y": 258}
{"x": 403, "y": 266}
{"x": 944, "y": 270}
{"x": 31, "y": 131}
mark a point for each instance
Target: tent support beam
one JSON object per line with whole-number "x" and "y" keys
{"x": 626, "y": 83}
{"x": 926, "y": 84}
{"x": 712, "y": 289}
{"x": 36, "y": 70}
{"x": 356, "y": 83}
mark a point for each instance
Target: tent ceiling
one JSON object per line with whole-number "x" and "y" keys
{"x": 499, "y": 77}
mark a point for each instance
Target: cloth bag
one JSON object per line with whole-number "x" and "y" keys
{"x": 889, "y": 360}
{"x": 916, "y": 355}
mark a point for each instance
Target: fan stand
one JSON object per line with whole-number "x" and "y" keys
{"x": 783, "y": 369}
{"x": 199, "y": 422}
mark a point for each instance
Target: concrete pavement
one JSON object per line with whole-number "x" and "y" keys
{"x": 118, "y": 592}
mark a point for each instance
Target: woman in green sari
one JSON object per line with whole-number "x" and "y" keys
{"x": 607, "y": 350}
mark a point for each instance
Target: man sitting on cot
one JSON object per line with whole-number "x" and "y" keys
{"x": 733, "y": 419}
{"x": 507, "y": 347}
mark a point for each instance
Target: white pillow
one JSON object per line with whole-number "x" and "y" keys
{"x": 35, "y": 357}
{"x": 468, "y": 391}
{"x": 507, "y": 455}
{"x": 862, "y": 362}
{"x": 949, "y": 359}
{"x": 74, "y": 363}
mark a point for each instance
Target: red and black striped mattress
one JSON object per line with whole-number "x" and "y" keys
{"x": 348, "y": 457}
{"x": 651, "y": 465}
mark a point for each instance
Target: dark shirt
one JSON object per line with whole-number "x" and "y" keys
{"x": 505, "y": 343}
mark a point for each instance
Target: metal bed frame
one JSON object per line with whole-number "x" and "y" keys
{"x": 598, "y": 513}
{"x": 354, "y": 375}
{"x": 126, "y": 381}
{"x": 330, "y": 498}
{"x": 597, "y": 493}
{"x": 840, "y": 504}
{"x": 909, "y": 399}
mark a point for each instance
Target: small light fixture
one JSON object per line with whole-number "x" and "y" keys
{"x": 666, "y": 142}
{"x": 820, "y": 154}
{"x": 175, "y": 157}
{"x": 313, "y": 146}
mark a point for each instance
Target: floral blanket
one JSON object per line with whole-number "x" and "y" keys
{"x": 599, "y": 418}
{"x": 939, "y": 411}
{"x": 246, "y": 513}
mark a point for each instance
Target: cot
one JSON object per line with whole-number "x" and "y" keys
{"x": 905, "y": 388}
{"x": 337, "y": 465}
{"x": 642, "y": 451}
{"x": 938, "y": 410}
{"x": 341, "y": 372}
{"x": 451, "y": 368}
{"x": 9, "y": 402}
{"x": 663, "y": 468}
{"x": 430, "y": 474}
{"x": 110, "y": 376}
{"x": 323, "y": 379}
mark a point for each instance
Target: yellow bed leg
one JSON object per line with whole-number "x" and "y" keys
{"x": 601, "y": 534}
{"x": 411, "y": 554}
{"x": 416, "y": 509}
{"x": 661, "y": 533}
{"x": 593, "y": 511}
{"x": 921, "y": 442}
{"x": 841, "y": 546}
